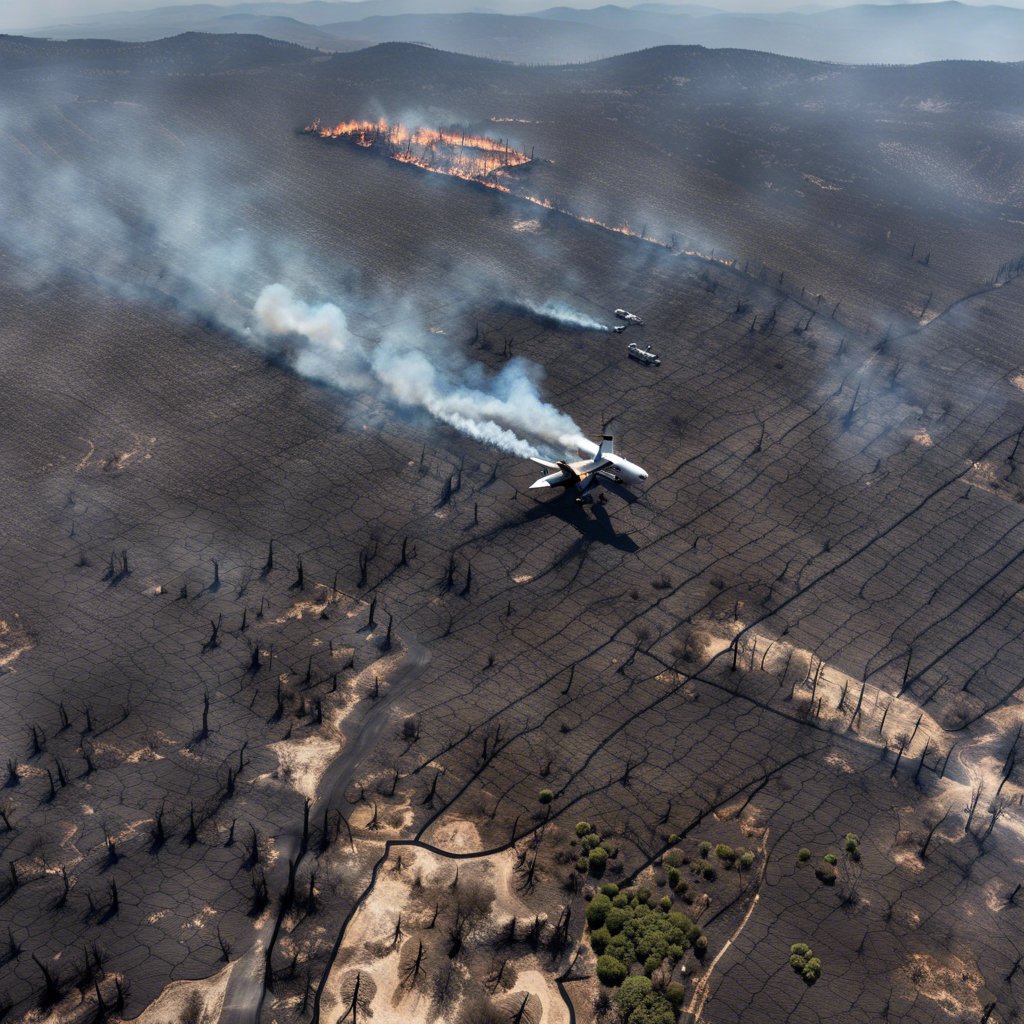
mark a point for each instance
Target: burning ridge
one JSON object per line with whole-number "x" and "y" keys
{"x": 448, "y": 151}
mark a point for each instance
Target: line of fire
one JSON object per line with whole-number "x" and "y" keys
{"x": 476, "y": 158}
{"x": 450, "y": 151}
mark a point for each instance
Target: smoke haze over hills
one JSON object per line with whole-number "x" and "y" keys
{"x": 523, "y": 32}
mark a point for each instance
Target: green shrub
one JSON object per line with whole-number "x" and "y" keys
{"x": 611, "y": 972}
{"x": 746, "y": 859}
{"x": 725, "y": 853}
{"x": 610, "y": 889}
{"x": 588, "y": 842}
{"x": 581, "y": 864}
{"x": 700, "y": 946}
{"x": 545, "y": 796}
{"x": 583, "y": 828}
{"x": 616, "y": 919}
{"x": 640, "y": 1004}
{"x": 803, "y": 855}
{"x": 597, "y": 910}
{"x": 665, "y": 903}
{"x": 675, "y": 994}
{"x": 673, "y": 877}
{"x": 812, "y": 971}
{"x": 851, "y": 842}
{"x": 707, "y": 871}
{"x": 643, "y": 895}
{"x": 804, "y": 962}
{"x": 622, "y": 900}
{"x": 598, "y": 861}
{"x": 705, "y": 848}
{"x": 599, "y": 939}
{"x": 673, "y": 839}
{"x": 830, "y": 858}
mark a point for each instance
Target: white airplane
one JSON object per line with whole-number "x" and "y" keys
{"x": 598, "y": 460}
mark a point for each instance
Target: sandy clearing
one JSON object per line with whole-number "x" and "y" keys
{"x": 168, "y": 1006}
{"x": 14, "y": 642}
{"x": 301, "y": 763}
{"x": 369, "y": 946}
{"x": 951, "y": 983}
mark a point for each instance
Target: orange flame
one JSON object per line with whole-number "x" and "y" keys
{"x": 448, "y": 151}
{"x": 475, "y": 158}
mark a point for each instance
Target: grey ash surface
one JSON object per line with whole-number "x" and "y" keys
{"x": 861, "y": 536}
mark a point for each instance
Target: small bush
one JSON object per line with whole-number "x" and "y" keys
{"x": 830, "y": 858}
{"x": 583, "y": 828}
{"x": 705, "y": 848}
{"x": 597, "y": 861}
{"x": 545, "y": 796}
{"x": 803, "y": 855}
{"x": 599, "y": 939}
{"x": 610, "y": 971}
{"x": 665, "y": 903}
{"x": 700, "y": 946}
{"x": 616, "y": 919}
{"x": 673, "y": 839}
{"x": 597, "y": 910}
{"x": 746, "y": 859}
{"x": 610, "y": 889}
{"x": 725, "y": 853}
{"x": 675, "y": 994}
{"x": 582, "y": 863}
{"x": 804, "y": 962}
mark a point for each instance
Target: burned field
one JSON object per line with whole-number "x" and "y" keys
{"x": 346, "y": 772}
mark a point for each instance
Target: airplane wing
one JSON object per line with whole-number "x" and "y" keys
{"x": 544, "y": 463}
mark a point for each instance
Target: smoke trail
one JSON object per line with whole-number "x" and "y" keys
{"x": 173, "y": 230}
{"x": 504, "y": 410}
{"x": 565, "y": 315}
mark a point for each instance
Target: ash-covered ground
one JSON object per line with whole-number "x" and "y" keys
{"x": 262, "y": 765}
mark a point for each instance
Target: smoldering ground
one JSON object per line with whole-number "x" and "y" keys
{"x": 149, "y": 228}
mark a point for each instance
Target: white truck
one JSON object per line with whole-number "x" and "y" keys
{"x": 630, "y": 318}
{"x": 643, "y": 355}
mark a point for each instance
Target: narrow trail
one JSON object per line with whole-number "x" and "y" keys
{"x": 702, "y": 990}
{"x": 246, "y": 989}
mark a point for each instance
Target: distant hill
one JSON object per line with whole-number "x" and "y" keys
{"x": 900, "y": 33}
{"x": 190, "y": 51}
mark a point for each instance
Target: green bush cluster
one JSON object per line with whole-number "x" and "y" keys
{"x": 626, "y": 929}
{"x": 639, "y": 1003}
{"x": 804, "y": 962}
{"x": 594, "y": 853}
{"x": 851, "y": 843}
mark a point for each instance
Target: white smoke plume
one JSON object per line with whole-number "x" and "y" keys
{"x": 565, "y": 314}
{"x": 504, "y": 410}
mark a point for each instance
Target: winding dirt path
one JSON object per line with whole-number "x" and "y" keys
{"x": 243, "y": 999}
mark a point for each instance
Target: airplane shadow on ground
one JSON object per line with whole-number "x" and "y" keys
{"x": 590, "y": 520}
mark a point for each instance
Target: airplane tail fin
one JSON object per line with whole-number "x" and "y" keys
{"x": 606, "y": 447}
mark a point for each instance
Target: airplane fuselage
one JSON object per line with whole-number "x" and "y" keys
{"x": 595, "y": 461}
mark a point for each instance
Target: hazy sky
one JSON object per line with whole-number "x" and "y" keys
{"x": 18, "y": 15}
